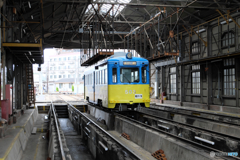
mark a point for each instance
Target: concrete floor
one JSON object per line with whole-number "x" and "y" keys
{"x": 57, "y": 97}
{"x": 37, "y": 148}
{"x": 77, "y": 148}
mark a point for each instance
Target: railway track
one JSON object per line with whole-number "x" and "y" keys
{"x": 212, "y": 141}
{"x": 226, "y": 118}
{"x": 207, "y": 140}
{"x": 77, "y": 115}
{"x": 198, "y": 135}
{"x": 60, "y": 152}
{"x": 206, "y": 148}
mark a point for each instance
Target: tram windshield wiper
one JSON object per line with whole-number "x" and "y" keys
{"x": 127, "y": 79}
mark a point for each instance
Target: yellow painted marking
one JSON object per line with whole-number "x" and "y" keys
{"x": 22, "y": 44}
{"x": 84, "y": 110}
{"x": 11, "y": 145}
{"x": 75, "y": 106}
{"x": 196, "y": 114}
{"x": 44, "y": 108}
{"x": 36, "y": 151}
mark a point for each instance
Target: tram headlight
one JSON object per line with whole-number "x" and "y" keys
{"x": 129, "y": 55}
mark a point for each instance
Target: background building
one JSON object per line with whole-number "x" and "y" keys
{"x": 62, "y": 66}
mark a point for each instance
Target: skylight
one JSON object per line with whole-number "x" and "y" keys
{"x": 106, "y": 7}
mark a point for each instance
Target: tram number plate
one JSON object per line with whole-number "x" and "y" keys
{"x": 138, "y": 96}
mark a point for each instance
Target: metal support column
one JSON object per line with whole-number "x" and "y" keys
{"x": 237, "y": 80}
{"x": 156, "y": 85}
{"x": 182, "y": 75}
{"x": 140, "y": 40}
{"x": 145, "y": 45}
{"x": 162, "y": 79}
{"x": 209, "y": 41}
{"x": 24, "y": 80}
{"x": 177, "y": 75}
{"x": 18, "y": 86}
{"x": 209, "y": 83}
{"x": 4, "y": 73}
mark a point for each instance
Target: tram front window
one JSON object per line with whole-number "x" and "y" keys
{"x": 129, "y": 75}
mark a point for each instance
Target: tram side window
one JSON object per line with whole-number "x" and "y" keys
{"x": 114, "y": 75}
{"x": 105, "y": 76}
{"x": 144, "y": 75}
{"x": 98, "y": 78}
{"x": 95, "y": 77}
{"x": 102, "y": 76}
{"x": 90, "y": 79}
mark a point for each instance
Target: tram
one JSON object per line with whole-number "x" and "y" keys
{"x": 119, "y": 81}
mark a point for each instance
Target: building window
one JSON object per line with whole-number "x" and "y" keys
{"x": 114, "y": 75}
{"x": 60, "y": 76}
{"x": 55, "y": 59}
{"x": 55, "y": 76}
{"x": 70, "y": 85}
{"x": 173, "y": 84}
{"x": 65, "y": 67}
{"x": 69, "y": 58}
{"x": 59, "y": 67}
{"x": 50, "y": 60}
{"x": 228, "y": 39}
{"x": 69, "y": 76}
{"x": 64, "y": 76}
{"x": 196, "y": 79}
{"x": 195, "y": 47}
{"x": 64, "y": 58}
{"x": 51, "y": 76}
{"x": 229, "y": 77}
{"x": 60, "y": 85}
{"x": 69, "y": 67}
{"x": 60, "y": 59}
{"x": 55, "y": 68}
{"x": 50, "y": 68}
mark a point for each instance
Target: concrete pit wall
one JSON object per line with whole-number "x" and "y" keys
{"x": 93, "y": 138}
{"x": 104, "y": 117}
{"x": 24, "y": 125}
{"x": 152, "y": 141}
{"x": 223, "y": 128}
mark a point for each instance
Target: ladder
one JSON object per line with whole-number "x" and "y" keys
{"x": 30, "y": 85}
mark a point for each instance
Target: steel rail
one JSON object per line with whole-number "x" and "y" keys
{"x": 170, "y": 134}
{"x": 172, "y": 109}
{"x": 105, "y": 132}
{"x": 59, "y": 136}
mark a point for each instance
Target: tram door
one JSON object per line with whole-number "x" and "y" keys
{"x": 93, "y": 86}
